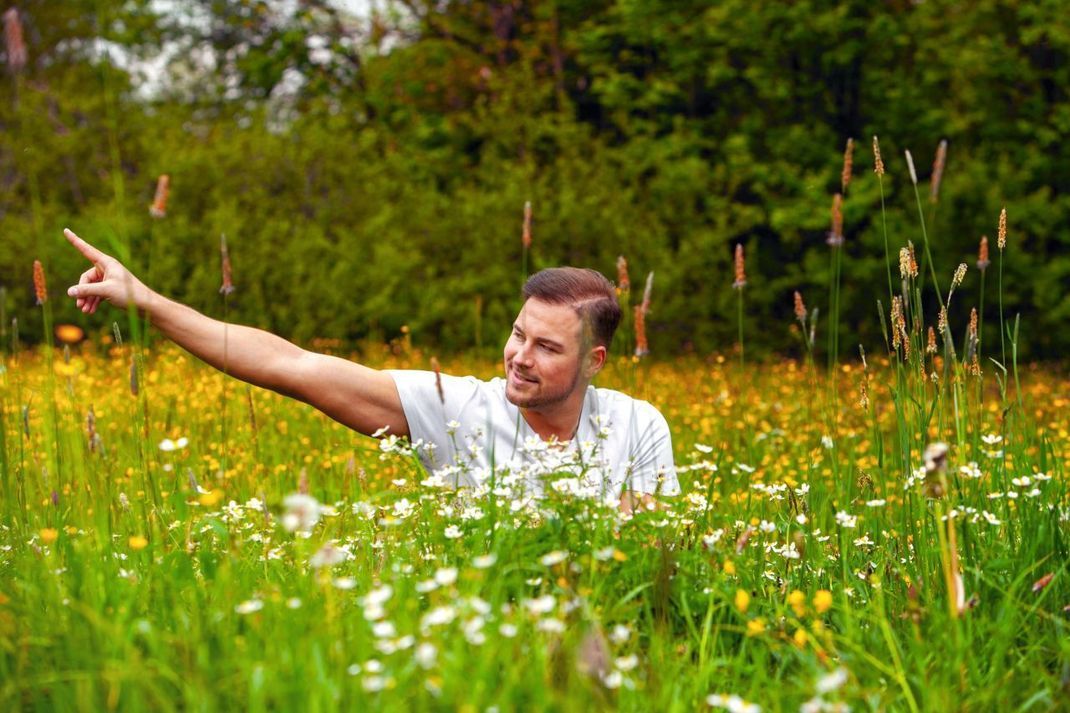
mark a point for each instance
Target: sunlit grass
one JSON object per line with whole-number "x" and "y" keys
{"x": 144, "y": 573}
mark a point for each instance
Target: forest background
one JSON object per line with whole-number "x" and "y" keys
{"x": 369, "y": 170}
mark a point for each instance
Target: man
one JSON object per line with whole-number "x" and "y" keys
{"x": 463, "y": 426}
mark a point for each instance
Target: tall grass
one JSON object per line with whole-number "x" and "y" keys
{"x": 317, "y": 570}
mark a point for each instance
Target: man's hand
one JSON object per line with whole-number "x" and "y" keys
{"x": 106, "y": 280}
{"x": 632, "y": 501}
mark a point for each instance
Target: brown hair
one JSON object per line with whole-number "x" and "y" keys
{"x": 587, "y": 291}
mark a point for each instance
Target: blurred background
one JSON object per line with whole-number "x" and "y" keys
{"x": 368, "y": 162}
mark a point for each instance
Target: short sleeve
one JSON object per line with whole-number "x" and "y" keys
{"x": 650, "y": 468}
{"x": 430, "y": 411}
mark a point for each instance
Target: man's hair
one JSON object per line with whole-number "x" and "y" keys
{"x": 587, "y": 291}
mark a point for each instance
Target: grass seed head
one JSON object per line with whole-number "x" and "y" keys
{"x": 959, "y": 276}
{"x": 741, "y": 275}
{"x": 904, "y": 263}
{"x": 1001, "y": 236}
{"x": 13, "y": 42}
{"x": 40, "y": 288}
{"x": 982, "y": 254}
{"x": 133, "y": 377}
{"x": 848, "y": 165}
{"x": 641, "y": 346}
{"x": 525, "y": 237}
{"x": 91, "y": 430}
{"x": 941, "y": 320}
{"x": 438, "y": 380}
{"x": 938, "y": 171}
{"x": 930, "y": 347}
{"x": 897, "y": 316}
{"x": 835, "y": 236}
{"x": 800, "y": 308}
{"x": 158, "y": 209}
{"x": 228, "y": 284}
{"x": 878, "y": 162}
{"x": 623, "y": 283}
{"x": 910, "y": 167}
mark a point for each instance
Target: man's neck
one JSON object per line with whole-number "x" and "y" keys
{"x": 559, "y": 422}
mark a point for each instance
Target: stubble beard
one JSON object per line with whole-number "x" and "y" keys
{"x": 541, "y": 400}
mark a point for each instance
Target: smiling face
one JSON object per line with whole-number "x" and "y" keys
{"x": 544, "y": 356}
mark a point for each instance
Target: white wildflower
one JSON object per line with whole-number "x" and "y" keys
{"x": 249, "y": 606}
{"x": 552, "y": 558}
{"x": 484, "y": 561}
{"x": 832, "y": 681}
{"x": 845, "y": 519}
{"x": 425, "y": 655}
{"x": 541, "y": 605}
{"x": 619, "y": 634}
{"x": 446, "y": 576}
{"x": 302, "y": 512}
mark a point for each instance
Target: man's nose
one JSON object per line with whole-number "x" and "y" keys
{"x": 523, "y": 354}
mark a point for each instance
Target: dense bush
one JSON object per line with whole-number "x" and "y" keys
{"x": 388, "y": 189}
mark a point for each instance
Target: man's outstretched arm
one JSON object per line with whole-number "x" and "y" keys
{"x": 355, "y": 395}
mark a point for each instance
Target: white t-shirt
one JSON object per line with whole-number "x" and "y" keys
{"x": 473, "y": 430}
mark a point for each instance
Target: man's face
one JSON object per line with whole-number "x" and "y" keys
{"x": 543, "y": 360}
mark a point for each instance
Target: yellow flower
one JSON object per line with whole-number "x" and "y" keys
{"x": 755, "y": 626}
{"x": 742, "y": 600}
{"x": 729, "y": 567}
{"x": 138, "y": 542}
{"x": 797, "y": 601}
{"x": 69, "y": 333}
{"x": 800, "y": 637}
{"x": 211, "y": 498}
{"x": 822, "y": 601}
{"x": 48, "y": 535}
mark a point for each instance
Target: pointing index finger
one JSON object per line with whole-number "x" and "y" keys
{"x": 90, "y": 252}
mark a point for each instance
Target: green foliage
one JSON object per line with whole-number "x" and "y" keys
{"x": 387, "y": 188}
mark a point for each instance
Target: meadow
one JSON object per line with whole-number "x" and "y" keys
{"x": 877, "y": 528}
{"x": 175, "y": 540}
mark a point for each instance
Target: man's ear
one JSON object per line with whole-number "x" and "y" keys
{"x": 596, "y": 359}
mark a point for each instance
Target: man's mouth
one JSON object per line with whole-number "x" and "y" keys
{"x": 523, "y": 377}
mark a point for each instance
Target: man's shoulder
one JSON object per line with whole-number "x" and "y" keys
{"x": 423, "y": 375}
{"x": 613, "y": 401}
{"x": 420, "y": 385}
